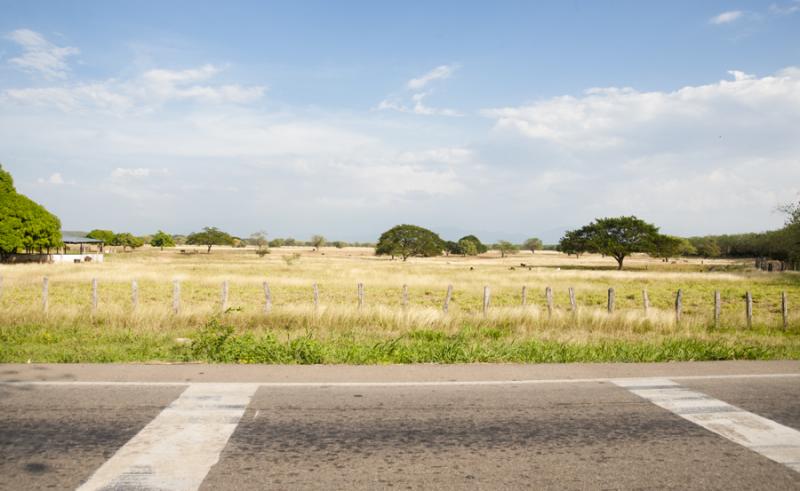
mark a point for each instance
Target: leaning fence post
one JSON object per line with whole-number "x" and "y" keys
{"x": 134, "y": 295}
{"x": 447, "y": 297}
{"x": 176, "y": 296}
{"x": 748, "y": 308}
{"x": 524, "y": 296}
{"x": 785, "y": 310}
{"x": 224, "y": 297}
{"x": 548, "y": 295}
{"x": 645, "y": 301}
{"x": 678, "y": 305}
{"x": 267, "y": 298}
{"x": 717, "y": 307}
{"x": 360, "y": 295}
{"x": 573, "y": 304}
{"x": 486, "y": 294}
{"x": 405, "y": 296}
{"x": 316, "y": 296}
{"x": 45, "y": 288}
{"x": 94, "y": 295}
{"x": 611, "y": 295}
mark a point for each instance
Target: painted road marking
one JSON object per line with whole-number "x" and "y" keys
{"x": 435, "y": 383}
{"x": 177, "y": 449}
{"x": 772, "y": 440}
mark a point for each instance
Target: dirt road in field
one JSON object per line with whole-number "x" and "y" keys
{"x": 726, "y": 425}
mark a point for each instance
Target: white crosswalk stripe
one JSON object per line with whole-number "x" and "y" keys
{"x": 772, "y": 440}
{"x": 176, "y": 450}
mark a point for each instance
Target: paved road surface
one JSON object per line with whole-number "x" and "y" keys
{"x": 677, "y": 425}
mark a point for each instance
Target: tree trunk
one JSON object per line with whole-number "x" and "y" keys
{"x": 619, "y": 261}
{"x": 209, "y": 249}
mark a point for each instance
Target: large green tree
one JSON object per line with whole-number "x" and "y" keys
{"x": 409, "y": 240}
{"x": 472, "y": 245}
{"x": 24, "y": 224}
{"x": 533, "y": 244}
{"x": 162, "y": 239}
{"x": 618, "y": 237}
{"x": 210, "y": 236}
{"x": 127, "y": 239}
{"x": 506, "y": 247}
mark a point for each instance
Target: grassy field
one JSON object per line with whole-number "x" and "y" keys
{"x": 383, "y": 330}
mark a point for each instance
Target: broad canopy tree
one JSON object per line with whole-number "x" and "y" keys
{"x": 617, "y": 237}
{"x": 24, "y": 224}
{"x": 409, "y": 240}
{"x": 210, "y": 236}
{"x": 533, "y": 244}
{"x": 162, "y": 239}
{"x": 506, "y": 247}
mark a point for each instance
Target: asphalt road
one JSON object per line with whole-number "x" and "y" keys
{"x": 418, "y": 427}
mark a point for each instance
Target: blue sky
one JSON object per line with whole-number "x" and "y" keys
{"x": 504, "y": 119}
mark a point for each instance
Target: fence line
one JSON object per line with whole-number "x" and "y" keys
{"x": 360, "y": 299}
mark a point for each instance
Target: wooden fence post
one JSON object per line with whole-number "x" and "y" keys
{"x": 176, "y": 297}
{"x": 548, "y": 295}
{"x": 405, "y": 296}
{"x": 360, "y": 295}
{"x": 486, "y": 294}
{"x": 717, "y": 308}
{"x": 611, "y": 298}
{"x": 572, "y": 302}
{"x": 447, "y": 297}
{"x": 748, "y": 308}
{"x": 316, "y": 296}
{"x": 224, "y": 297}
{"x": 524, "y": 296}
{"x": 785, "y": 310}
{"x": 267, "y": 298}
{"x": 134, "y": 295}
{"x": 45, "y": 292}
{"x": 94, "y": 295}
{"x": 645, "y": 301}
{"x": 678, "y": 305}
{"x": 1, "y": 286}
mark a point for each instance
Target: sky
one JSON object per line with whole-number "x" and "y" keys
{"x": 502, "y": 119}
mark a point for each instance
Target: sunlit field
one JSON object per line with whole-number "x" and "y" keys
{"x": 383, "y": 330}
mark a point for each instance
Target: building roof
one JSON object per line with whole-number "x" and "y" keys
{"x": 75, "y": 238}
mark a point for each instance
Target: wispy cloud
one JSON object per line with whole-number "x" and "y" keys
{"x": 146, "y": 92}
{"x": 40, "y": 55}
{"x": 726, "y": 17}
{"x": 55, "y": 179}
{"x": 438, "y": 73}
{"x": 414, "y": 104}
{"x": 785, "y": 8}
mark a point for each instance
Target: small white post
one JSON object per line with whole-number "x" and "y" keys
{"x": 316, "y": 297}
{"x": 405, "y": 296}
{"x": 678, "y": 305}
{"x": 524, "y": 296}
{"x": 45, "y": 292}
{"x": 548, "y": 295}
{"x": 486, "y": 294}
{"x": 134, "y": 295}
{"x": 224, "y": 297}
{"x": 94, "y": 295}
{"x": 267, "y": 298}
{"x": 447, "y": 297}
{"x": 611, "y": 298}
{"x": 748, "y": 300}
{"x": 176, "y": 297}
{"x": 645, "y": 301}
{"x": 360, "y": 295}
{"x": 572, "y": 302}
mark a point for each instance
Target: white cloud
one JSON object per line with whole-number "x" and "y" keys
{"x": 438, "y": 73}
{"x": 726, "y": 17}
{"x": 55, "y": 179}
{"x": 136, "y": 172}
{"x": 40, "y": 55}
{"x": 786, "y": 8}
{"x": 147, "y": 92}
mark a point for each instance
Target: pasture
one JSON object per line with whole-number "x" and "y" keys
{"x": 385, "y": 328}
